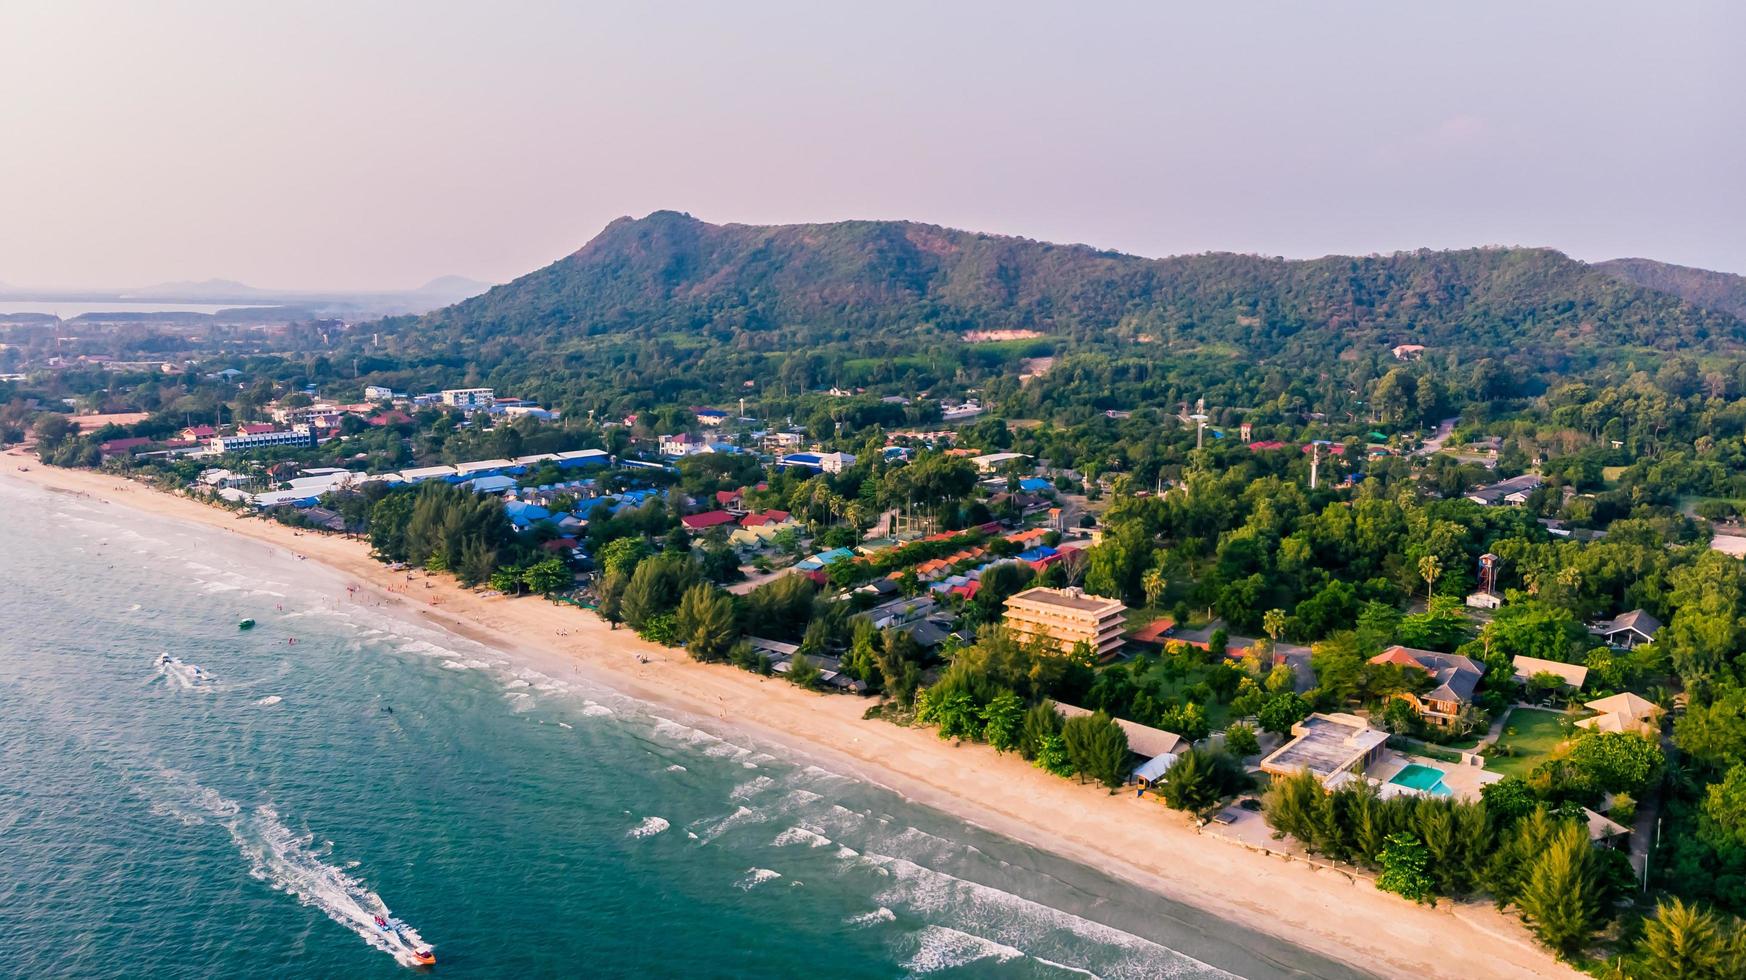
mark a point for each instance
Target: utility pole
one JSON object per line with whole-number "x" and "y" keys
{"x": 1315, "y": 462}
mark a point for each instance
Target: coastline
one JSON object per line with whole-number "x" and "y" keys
{"x": 1323, "y": 911}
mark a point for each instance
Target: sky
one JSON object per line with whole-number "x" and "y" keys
{"x": 376, "y": 145}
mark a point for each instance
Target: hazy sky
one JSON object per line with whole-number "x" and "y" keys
{"x": 374, "y": 145}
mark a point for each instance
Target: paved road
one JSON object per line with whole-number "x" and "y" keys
{"x": 1434, "y": 444}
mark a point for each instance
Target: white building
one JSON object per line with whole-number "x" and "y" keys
{"x": 994, "y": 461}
{"x": 378, "y": 393}
{"x": 301, "y": 435}
{"x": 835, "y": 462}
{"x": 957, "y": 413}
{"x": 469, "y": 398}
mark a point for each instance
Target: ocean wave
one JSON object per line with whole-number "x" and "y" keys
{"x": 755, "y": 877}
{"x": 800, "y": 835}
{"x": 594, "y": 709}
{"x": 649, "y": 827}
{"x": 942, "y": 948}
{"x": 873, "y": 918}
{"x": 987, "y": 914}
{"x": 710, "y": 830}
{"x": 751, "y": 788}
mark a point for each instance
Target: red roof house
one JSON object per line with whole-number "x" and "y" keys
{"x": 707, "y": 520}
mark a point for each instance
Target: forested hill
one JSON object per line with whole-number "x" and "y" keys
{"x": 1720, "y": 291}
{"x": 874, "y": 287}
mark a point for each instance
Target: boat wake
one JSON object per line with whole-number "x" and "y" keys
{"x": 184, "y": 676}
{"x": 288, "y": 862}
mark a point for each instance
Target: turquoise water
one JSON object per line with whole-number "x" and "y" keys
{"x": 1423, "y": 778}
{"x": 249, "y": 819}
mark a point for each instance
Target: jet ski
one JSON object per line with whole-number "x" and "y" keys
{"x": 406, "y": 940}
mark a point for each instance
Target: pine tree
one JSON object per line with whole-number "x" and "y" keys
{"x": 1436, "y": 826}
{"x": 1682, "y": 942}
{"x": 1042, "y": 722}
{"x": 1288, "y": 806}
{"x": 1562, "y": 897}
{"x": 705, "y": 622}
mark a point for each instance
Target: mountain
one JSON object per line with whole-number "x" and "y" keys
{"x": 206, "y": 291}
{"x": 450, "y": 289}
{"x": 880, "y": 286}
{"x": 1720, "y": 291}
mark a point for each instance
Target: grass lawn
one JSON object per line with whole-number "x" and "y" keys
{"x": 1531, "y": 734}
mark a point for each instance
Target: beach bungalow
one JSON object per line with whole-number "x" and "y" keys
{"x": 1455, "y": 679}
{"x": 1604, "y": 831}
{"x": 1628, "y": 630}
{"x": 1625, "y": 712}
{"x": 1160, "y": 749}
{"x": 1573, "y": 675}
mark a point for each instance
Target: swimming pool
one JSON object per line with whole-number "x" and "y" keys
{"x": 1422, "y": 778}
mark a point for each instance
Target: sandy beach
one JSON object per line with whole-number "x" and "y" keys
{"x": 1325, "y": 911}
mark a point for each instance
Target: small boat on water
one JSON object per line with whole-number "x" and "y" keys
{"x": 406, "y": 940}
{"x": 247, "y": 624}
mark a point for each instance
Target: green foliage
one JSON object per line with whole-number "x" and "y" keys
{"x": 1097, "y": 747}
{"x": 548, "y": 577}
{"x": 621, "y": 555}
{"x": 802, "y": 672}
{"x": 1042, "y": 723}
{"x": 1003, "y": 721}
{"x": 1201, "y": 779}
{"x": 660, "y": 628}
{"x": 507, "y": 580}
{"x": 655, "y": 587}
{"x": 1613, "y": 762}
{"x": 1688, "y": 942}
{"x": 705, "y": 622}
{"x": 1052, "y": 756}
{"x": 1403, "y": 861}
{"x": 781, "y": 608}
{"x": 1563, "y": 897}
{"x": 1281, "y": 711}
{"x": 1724, "y": 812}
{"x": 1509, "y": 799}
{"x": 951, "y": 708}
{"x": 1241, "y": 741}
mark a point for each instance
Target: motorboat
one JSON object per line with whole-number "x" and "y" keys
{"x": 405, "y": 940}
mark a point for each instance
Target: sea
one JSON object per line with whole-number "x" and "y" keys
{"x": 67, "y": 309}
{"x": 249, "y": 806}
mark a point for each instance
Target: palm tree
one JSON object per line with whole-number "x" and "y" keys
{"x": 1273, "y": 624}
{"x": 1430, "y": 569}
{"x": 1154, "y": 582}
